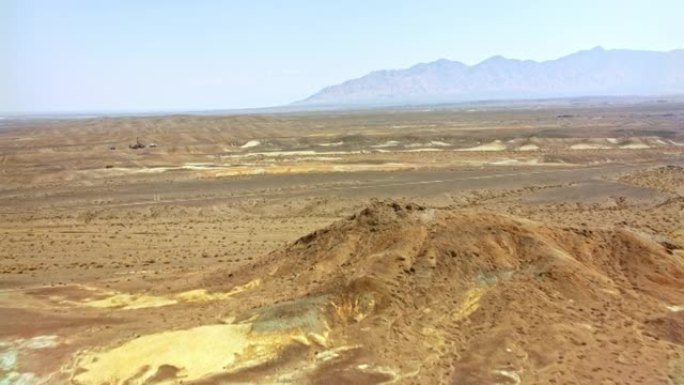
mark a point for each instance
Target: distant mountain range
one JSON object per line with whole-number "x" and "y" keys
{"x": 595, "y": 72}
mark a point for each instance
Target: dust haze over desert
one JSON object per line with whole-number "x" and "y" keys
{"x": 300, "y": 193}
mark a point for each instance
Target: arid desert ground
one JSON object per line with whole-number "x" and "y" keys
{"x": 445, "y": 245}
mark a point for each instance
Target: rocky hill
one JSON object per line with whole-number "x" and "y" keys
{"x": 401, "y": 292}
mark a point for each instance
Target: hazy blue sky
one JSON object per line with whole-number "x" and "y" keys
{"x": 60, "y": 55}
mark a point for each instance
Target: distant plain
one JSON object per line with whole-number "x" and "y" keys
{"x": 215, "y": 194}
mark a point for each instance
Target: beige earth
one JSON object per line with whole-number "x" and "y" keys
{"x": 458, "y": 246}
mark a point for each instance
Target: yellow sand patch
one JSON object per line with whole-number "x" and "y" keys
{"x": 128, "y": 301}
{"x": 202, "y": 295}
{"x": 187, "y": 355}
{"x": 677, "y": 235}
{"x": 304, "y": 167}
{"x": 436, "y": 341}
{"x": 357, "y": 308}
{"x": 515, "y": 162}
{"x": 190, "y": 354}
{"x": 294, "y": 165}
{"x": 469, "y": 304}
{"x": 680, "y": 254}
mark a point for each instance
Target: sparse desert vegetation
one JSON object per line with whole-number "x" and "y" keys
{"x": 449, "y": 245}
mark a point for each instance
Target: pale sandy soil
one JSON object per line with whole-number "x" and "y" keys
{"x": 366, "y": 248}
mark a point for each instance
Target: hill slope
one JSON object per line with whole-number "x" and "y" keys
{"x": 585, "y": 73}
{"x": 398, "y": 293}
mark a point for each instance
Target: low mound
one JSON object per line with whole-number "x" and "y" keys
{"x": 477, "y": 297}
{"x": 406, "y": 294}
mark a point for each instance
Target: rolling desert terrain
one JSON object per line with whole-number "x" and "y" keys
{"x": 435, "y": 245}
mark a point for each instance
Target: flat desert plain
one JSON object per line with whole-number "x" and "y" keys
{"x": 445, "y": 245}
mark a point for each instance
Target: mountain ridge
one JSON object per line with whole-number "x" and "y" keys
{"x": 593, "y": 72}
